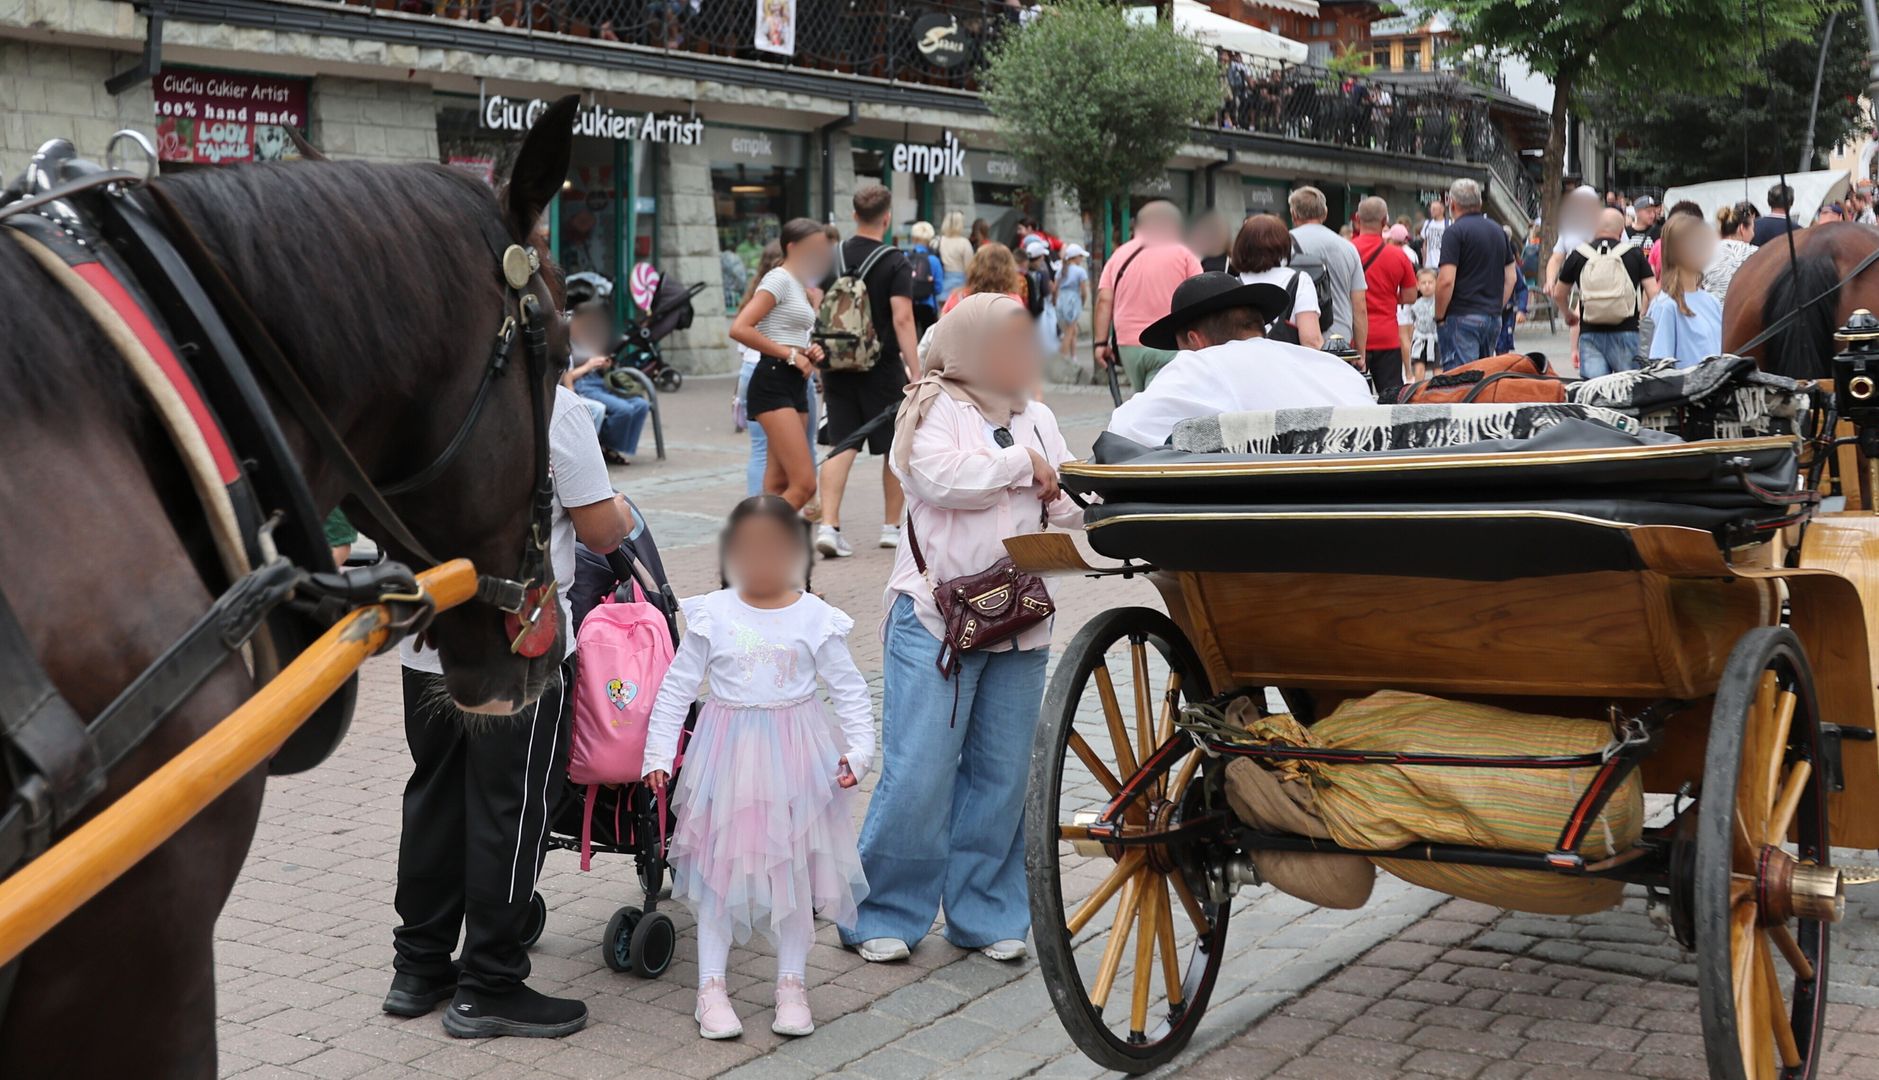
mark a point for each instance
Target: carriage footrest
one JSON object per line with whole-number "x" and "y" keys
{"x": 1859, "y": 875}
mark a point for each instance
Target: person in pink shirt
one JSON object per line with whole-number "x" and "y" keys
{"x": 978, "y": 459}
{"x": 1136, "y": 288}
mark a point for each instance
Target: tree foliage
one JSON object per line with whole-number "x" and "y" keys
{"x": 1093, "y": 103}
{"x": 1626, "y": 48}
{"x": 1758, "y": 128}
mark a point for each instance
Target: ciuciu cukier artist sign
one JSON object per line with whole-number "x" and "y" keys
{"x": 596, "y": 121}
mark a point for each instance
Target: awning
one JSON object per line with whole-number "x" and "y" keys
{"x": 1812, "y": 190}
{"x": 1303, "y": 7}
{"x": 1193, "y": 18}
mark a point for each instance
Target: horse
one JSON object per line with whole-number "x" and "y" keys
{"x": 380, "y": 287}
{"x": 1770, "y": 284}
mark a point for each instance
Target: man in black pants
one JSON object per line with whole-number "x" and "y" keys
{"x": 476, "y": 807}
{"x": 853, "y": 398}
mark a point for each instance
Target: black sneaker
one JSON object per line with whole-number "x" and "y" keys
{"x": 521, "y": 1012}
{"x": 415, "y": 995}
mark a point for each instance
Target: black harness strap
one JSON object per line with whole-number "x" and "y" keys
{"x": 54, "y": 768}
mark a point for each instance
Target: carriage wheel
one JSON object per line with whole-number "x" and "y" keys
{"x": 1764, "y": 897}
{"x": 1113, "y": 699}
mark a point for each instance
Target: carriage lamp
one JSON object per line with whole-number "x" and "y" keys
{"x": 1856, "y": 384}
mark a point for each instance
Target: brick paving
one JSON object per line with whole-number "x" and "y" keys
{"x": 304, "y": 943}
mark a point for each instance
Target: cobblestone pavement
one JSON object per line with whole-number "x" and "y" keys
{"x": 304, "y": 944}
{"x": 1472, "y": 993}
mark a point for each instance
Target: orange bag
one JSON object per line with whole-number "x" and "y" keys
{"x": 1511, "y": 378}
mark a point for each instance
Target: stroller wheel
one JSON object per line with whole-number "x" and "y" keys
{"x": 616, "y": 947}
{"x": 668, "y": 380}
{"x": 537, "y": 921}
{"x": 654, "y": 941}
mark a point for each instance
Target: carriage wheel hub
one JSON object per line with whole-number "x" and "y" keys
{"x": 1789, "y": 889}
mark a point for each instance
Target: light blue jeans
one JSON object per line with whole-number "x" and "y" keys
{"x": 946, "y": 825}
{"x": 626, "y": 416}
{"x": 1602, "y": 352}
{"x": 759, "y": 442}
{"x": 949, "y": 280}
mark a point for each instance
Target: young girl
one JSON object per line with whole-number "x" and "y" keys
{"x": 1073, "y": 284}
{"x": 765, "y": 838}
{"x": 1422, "y": 351}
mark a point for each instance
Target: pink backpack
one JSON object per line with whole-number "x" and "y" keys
{"x": 625, "y": 650}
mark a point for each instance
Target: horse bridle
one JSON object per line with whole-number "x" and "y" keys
{"x": 529, "y": 599}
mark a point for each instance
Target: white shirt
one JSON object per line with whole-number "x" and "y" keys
{"x": 580, "y": 479}
{"x": 761, "y": 658}
{"x": 1239, "y": 376}
{"x": 791, "y": 320}
{"x": 1306, "y": 299}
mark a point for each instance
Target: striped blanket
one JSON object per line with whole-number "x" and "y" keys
{"x": 1724, "y": 397}
{"x": 1358, "y": 429}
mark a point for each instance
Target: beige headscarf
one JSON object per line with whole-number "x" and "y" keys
{"x": 953, "y": 355}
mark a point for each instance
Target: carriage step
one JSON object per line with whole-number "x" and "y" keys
{"x": 1859, "y": 875}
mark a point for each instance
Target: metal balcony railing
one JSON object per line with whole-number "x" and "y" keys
{"x": 885, "y": 40}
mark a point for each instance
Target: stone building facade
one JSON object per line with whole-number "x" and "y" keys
{"x": 695, "y": 209}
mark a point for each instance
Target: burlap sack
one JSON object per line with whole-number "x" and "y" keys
{"x": 1382, "y": 807}
{"x": 1264, "y": 801}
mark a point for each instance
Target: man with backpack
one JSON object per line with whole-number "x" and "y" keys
{"x": 866, "y": 328}
{"x": 1332, "y": 264}
{"x": 1609, "y": 271}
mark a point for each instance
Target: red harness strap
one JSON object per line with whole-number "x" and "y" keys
{"x": 134, "y": 316}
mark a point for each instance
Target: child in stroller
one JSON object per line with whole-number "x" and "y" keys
{"x": 625, "y": 818}
{"x": 669, "y": 311}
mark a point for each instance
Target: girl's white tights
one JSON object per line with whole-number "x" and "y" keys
{"x": 793, "y": 938}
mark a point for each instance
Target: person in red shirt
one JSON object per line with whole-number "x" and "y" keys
{"x": 1389, "y": 280}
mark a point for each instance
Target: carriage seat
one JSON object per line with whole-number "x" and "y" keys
{"x": 1552, "y": 487}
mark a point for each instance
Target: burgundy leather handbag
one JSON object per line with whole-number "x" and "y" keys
{"x": 985, "y": 608}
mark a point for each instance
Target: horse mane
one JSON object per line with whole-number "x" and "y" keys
{"x": 1800, "y": 350}
{"x": 355, "y": 268}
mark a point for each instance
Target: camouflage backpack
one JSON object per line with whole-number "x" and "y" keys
{"x": 845, "y": 322}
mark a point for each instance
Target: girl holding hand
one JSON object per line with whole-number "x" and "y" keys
{"x": 765, "y": 838}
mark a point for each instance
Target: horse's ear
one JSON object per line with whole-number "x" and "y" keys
{"x": 306, "y": 149}
{"x": 541, "y": 167}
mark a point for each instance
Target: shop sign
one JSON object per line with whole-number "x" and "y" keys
{"x": 939, "y": 39}
{"x": 1001, "y": 169}
{"x": 596, "y": 121}
{"x": 947, "y": 157}
{"x": 212, "y": 117}
{"x": 746, "y": 146}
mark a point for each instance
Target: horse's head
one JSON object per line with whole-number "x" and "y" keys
{"x": 491, "y": 515}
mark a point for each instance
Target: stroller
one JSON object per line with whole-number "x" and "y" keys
{"x": 638, "y": 346}
{"x": 626, "y": 818}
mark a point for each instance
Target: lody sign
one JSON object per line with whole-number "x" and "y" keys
{"x": 939, "y": 39}
{"x": 214, "y": 117}
{"x": 595, "y": 121}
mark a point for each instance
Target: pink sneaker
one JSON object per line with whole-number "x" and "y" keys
{"x": 792, "y": 1007}
{"x": 716, "y": 1018}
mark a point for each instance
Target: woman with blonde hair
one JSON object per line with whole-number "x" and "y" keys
{"x": 993, "y": 269}
{"x": 1688, "y": 319}
{"x": 954, "y": 252}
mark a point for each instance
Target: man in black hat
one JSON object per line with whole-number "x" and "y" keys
{"x": 1226, "y": 364}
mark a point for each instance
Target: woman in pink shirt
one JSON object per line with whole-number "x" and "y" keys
{"x": 978, "y": 459}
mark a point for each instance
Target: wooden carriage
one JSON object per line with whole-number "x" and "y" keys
{"x": 1723, "y": 628}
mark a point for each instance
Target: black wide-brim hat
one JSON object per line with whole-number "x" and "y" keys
{"x": 1205, "y": 294}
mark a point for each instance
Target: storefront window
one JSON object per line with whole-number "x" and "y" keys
{"x": 758, "y": 181}
{"x": 1001, "y": 195}
{"x": 587, "y": 230}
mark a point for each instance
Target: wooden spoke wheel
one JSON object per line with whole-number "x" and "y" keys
{"x": 1764, "y": 897}
{"x": 1127, "y": 939}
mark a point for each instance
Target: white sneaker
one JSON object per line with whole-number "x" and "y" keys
{"x": 831, "y": 544}
{"x": 1007, "y": 950}
{"x": 890, "y": 536}
{"x": 880, "y": 950}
